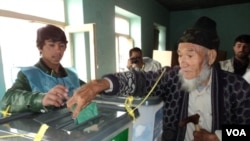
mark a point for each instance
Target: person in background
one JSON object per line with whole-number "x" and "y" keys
{"x": 239, "y": 64}
{"x": 196, "y": 86}
{"x": 47, "y": 84}
{"x": 137, "y": 61}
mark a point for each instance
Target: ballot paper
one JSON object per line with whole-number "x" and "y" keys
{"x": 87, "y": 113}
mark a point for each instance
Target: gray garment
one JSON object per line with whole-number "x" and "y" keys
{"x": 228, "y": 65}
{"x": 151, "y": 64}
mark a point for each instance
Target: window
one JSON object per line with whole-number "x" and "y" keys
{"x": 127, "y": 27}
{"x": 51, "y": 9}
{"x": 122, "y": 25}
{"x": 123, "y": 43}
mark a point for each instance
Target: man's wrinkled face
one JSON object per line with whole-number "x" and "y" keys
{"x": 52, "y": 52}
{"x": 241, "y": 50}
{"x": 194, "y": 66}
{"x": 191, "y": 57}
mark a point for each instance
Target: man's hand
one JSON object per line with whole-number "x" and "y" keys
{"x": 129, "y": 64}
{"x": 56, "y": 96}
{"x": 85, "y": 94}
{"x": 204, "y": 135}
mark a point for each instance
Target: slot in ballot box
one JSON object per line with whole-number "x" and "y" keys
{"x": 148, "y": 126}
{"x": 112, "y": 124}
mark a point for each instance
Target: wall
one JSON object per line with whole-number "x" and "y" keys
{"x": 231, "y": 21}
{"x": 2, "y": 85}
{"x": 102, "y": 13}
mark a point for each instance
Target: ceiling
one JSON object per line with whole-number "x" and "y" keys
{"x": 177, "y": 5}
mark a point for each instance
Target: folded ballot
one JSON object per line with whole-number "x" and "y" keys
{"x": 87, "y": 113}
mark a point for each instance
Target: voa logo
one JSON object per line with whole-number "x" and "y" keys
{"x": 236, "y": 132}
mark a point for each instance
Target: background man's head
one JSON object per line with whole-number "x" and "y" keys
{"x": 242, "y": 47}
{"x": 135, "y": 55}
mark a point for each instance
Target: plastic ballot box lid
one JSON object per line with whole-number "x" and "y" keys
{"x": 111, "y": 123}
{"x": 150, "y": 101}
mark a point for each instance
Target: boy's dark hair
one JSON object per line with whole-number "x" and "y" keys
{"x": 50, "y": 32}
{"x": 244, "y": 38}
{"x": 134, "y": 49}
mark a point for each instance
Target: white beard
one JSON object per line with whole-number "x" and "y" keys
{"x": 192, "y": 84}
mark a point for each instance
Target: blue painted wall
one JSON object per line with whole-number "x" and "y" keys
{"x": 102, "y": 12}
{"x": 231, "y": 21}
{"x": 2, "y": 85}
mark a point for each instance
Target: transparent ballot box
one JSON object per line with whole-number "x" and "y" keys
{"x": 148, "y": 126}
{"x": 111, "y": 124}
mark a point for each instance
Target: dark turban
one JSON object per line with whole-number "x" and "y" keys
{"x": 202, "y": 33}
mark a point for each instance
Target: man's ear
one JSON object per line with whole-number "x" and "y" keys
{"x": 212, "y": 55}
